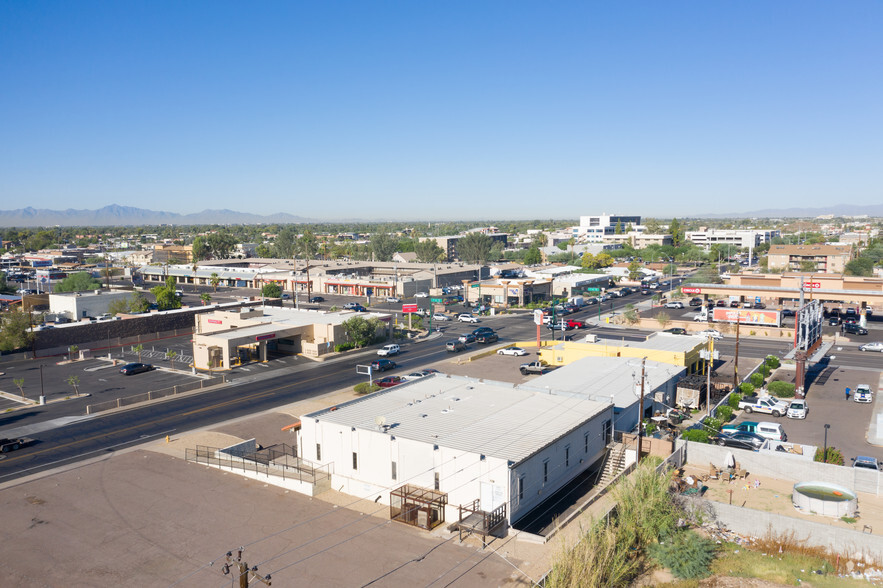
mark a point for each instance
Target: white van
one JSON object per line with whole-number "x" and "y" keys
{"x": 389, "y": 350}
{"x": 772, "y": 431}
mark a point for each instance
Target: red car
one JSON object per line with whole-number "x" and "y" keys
{"x": 388, "y": 381}
{"x": 576, "y": 324}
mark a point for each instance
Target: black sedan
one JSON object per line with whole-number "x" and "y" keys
{"x": 381, "y": 365}
{"x": 316, "y": 299}
{"x": 741, "y": 440}
{"x": 135, "y": 368}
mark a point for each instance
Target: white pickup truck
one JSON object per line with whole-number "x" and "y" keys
{"x": 765, "y": 404}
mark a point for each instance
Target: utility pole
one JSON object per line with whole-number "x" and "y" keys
{"x": 709, "y": 364}
{"x": 736, "y": 358}
{"x": 242, "y": 568}
{"x": 641, "y": 414}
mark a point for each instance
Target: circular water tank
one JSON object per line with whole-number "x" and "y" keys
{"x": 824, "y": 498}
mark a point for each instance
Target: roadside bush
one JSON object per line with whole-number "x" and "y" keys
{"x": 713, "y": 423}
{"x": 344, "y": 347}
{"x": 781, "y": 389}
{"x": 686, "y": 554}
{"x": 365, "y": 388}
{"x": 696, "y": 435}
{"x": 734, "y": 400}
{"x": 834, "y": 456}
{"x": 772, "y": 361}
{"x": 746, "y": 388}
{"x": 725, "y": 413}
{"x": 756, "y": 380}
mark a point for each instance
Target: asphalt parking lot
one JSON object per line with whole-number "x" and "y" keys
{"x": 849, "y": 421}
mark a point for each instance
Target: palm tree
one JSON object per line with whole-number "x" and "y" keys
{"x": 205, "y": 297}
{"x": 215, "y": 280}
{"x": 171, "y": 354}
{"x": 138, "y": 349}
{"x": 75, "y": 382}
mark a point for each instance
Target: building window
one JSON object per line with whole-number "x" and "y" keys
{"x": 586, "y": 441}
{"x": 318, "y": 452}
{"x": 355, "y": 461}
{"x": 394, "y": 471}
{"x": 521, "y": 488}
{"x": 545, "y": 472}
{"x": 437, "y": 482}
{"x": 567, "y": 456}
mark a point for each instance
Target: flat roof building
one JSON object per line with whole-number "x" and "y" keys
{"x": 829, "y": 259}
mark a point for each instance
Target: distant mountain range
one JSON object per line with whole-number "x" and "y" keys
{"x": 835, "y": 209}
{"x": 116, "y": 215}
{"x": 120, "y": 216}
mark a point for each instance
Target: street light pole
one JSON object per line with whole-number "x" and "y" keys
{"x": 827, "y": 426}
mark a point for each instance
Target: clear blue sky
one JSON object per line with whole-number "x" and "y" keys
{"x": 441, "y": 109}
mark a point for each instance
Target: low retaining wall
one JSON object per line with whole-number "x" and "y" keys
{"x": 746, "y": 521}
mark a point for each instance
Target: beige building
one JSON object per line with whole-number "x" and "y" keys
{"x": 227, "y": 338}
{"x": 829, "y": 259}
{"x": 172, "y": 253}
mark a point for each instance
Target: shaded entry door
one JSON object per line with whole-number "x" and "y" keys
{"x": 491, "y": 496}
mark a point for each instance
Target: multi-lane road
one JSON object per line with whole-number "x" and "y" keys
{"x": 67, "y": 439}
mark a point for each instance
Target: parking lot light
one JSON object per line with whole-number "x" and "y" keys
{"x": 827, "y": 426}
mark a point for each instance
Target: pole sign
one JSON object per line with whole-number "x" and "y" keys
{"x": 538, "y": 317}
{"x": 436, "y": 300}
{"x": 686, "y": 290}
{"x": 593, "y": 289}
{"x": 409, "y": 308}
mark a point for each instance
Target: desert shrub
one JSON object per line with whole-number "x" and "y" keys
{"x": 649, "y": 427}
{"x": 781, "y": 389}
{"x": 734, "y": 400}
{"x": 725, "y": 413}
{"x": 365, "y": 388}
{"x": 834, "y": 456}
{"x": 696, "y": 435}
{"x": 756, "y": 380}
{"x": 686, "y": 554}
{"x": 344, "y": 347}
{"x": 764, "y": 370}
{"x": 772, "y": 361}
{"x": 746, "y": 388}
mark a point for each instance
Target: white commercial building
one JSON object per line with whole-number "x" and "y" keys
{"x": 460, "y": 441}
{"x": 743, "y": 239}
{"x": 79, "y": 305}
{"x": 593, "y": 229}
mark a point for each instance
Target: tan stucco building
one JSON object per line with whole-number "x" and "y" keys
{"x": 829, "y": 259}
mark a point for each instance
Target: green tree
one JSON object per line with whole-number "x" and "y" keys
{"x": 428, "y": 251}
{"x": 200, "y": 249}
{"x": 78, "y": 282}
{"x": 171, "y": 354}
{"x": 263, "y": 251}
{"x": 139, "y": 348}
{"x": 138, "y": 302}
{"x": 533, "y": 256}
{"x": 860, "y": 266}
{"x": 5, "y": 288}
{"x": 74, "y": 381}
{"x": 635, "y": 272}
{"x": 165, "y": 295}
{"x": 220, "y": 244}
{"x": 618, "y": 229}
{"x": 272, "y": 290}
{"x": 384, "y": 246}
{"x": 603, "y": 260}
{"x": 663, "y": 318}
{"x": 588, "y": 261}
{"x": 540, "y": 239}
{"x": 214, "y": 280}
{"x": 361, "y": 331}
{"x": 205, "y": 297}
{"x": 308, "y": 245}
{"x": 118, "y": 306}
{"x": 284, "y": 244}
{"x": 20, "y": 382}
{"x": 15, "y": 331}
{"x": 652, "y": 226}
{"x": 807, "y": 266}
{"x": 676, "y": 232}
{"x": 476, "y": 248}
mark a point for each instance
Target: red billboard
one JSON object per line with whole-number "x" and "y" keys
{"x": 409, "y": 308}
{"x": 687, "y": 290}
{"x": 747, "y": 316}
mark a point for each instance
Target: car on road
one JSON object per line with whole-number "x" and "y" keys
{"x": 389, "y": 381}
{"x": 466, "y": 338}
{"x": 135, "y": 368}
{"x": 863, "y": 393}
{"x": 421, "y": 295}
{"x": 393, "y": 299}
{"x": 381, "y": 365}
{"x": 721, "y": 303}
{"x": 854, "y": 329}
{"x": 316, "y": 299}
{"x": 798, "y": 409}
{"x": 455, "y": 346}
{"x": 440, "y": 317}
{"x": 874, "y": 346}
{"x": 740, "y": 440}
{"x": 575, "y": 324}
{"x": 387, "y": 350}
{"x": 676, "y": 331}
{"x": 416, "y": 375}
{"x": 351, "y": 305}
{"x": 674, "y": 304}
{"x": 834, "y": 321}
{"x": 696, "y": 301}
{"x": 359, "y": 308}
{"x": 560, "y": 326}
{"x": 711, "y": 333}
{"x": 468, "y": 318}
{"x": 485, "y": 338}
{"x": 787, "y": 312}
{"x": 512, "y": 351}
{"x": 482, "y": 330}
